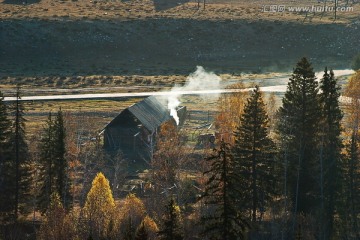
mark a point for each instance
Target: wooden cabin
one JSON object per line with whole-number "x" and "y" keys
{"x": 134, "y": 130}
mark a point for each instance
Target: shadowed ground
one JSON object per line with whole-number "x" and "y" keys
{"x": 168, "y": 46}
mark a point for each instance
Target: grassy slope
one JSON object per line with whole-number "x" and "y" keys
{"x": 132, "y": 37}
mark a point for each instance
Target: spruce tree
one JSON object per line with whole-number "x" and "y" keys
{"x": 6, "y": 164}
{"x": 298, "y": 128}
{"x": 254, "y": 152}
{"x": 171, "y": 227}
{"x": 46, "y": 165}
{"x": 223, "y": 221}
{"x": 22, "y": 162}
{"x": 54, "y": 166}
{"x": 330, "y": 151}
{"x": 60, "y": 161}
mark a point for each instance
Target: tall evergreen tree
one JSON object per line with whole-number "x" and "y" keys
{"x": 298, "y": 128}
{"x": 46, "y": 165}
{"x": 171, "y": 228}
{"x": 253, "y": 152}
{"x": 330, "y": 151}
{"x": 221, "y": 195}
{"x": 20, "y": 149}
{"x": 6, "y": 183}
{"x": 60, "y": 161}
{"x": 54, "y": 166}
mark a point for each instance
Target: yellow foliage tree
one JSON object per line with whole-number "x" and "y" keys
{"x": 168, "y": 157}
{"x": 149, "y": 227}
{"x": 352, "y": 91}
{"x": 99, "y": 207}
{"x": 130, "y": 214}
{"x": 231, "y": 106}
{"x": 57, "y": 225}
{"x": 133, "y": 206}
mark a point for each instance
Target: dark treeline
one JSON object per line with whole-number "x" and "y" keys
{"x": 292, "y": 174}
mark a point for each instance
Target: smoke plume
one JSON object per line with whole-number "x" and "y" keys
{"x": 198, "y": 80}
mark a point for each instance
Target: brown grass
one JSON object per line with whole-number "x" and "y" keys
{"x": 144, "y": 9}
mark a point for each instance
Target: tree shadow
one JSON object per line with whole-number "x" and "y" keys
{"x": 161, "y": 5}
{"x": 20, "y": 2}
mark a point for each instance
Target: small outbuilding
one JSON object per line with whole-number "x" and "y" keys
{"x": 133, "y": 131}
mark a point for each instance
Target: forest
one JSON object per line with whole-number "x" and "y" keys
{"x": 277, "y": 171}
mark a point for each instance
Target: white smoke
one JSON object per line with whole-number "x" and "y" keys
{"x": 173, "y": 103}
{"x": 198, "y": 80}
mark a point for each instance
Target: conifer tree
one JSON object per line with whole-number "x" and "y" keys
{"x": 298, "y": 127}
{"x": 46, "y": 163}
{"x": 171, "y": 227}
{"x": 54, "y": 166}
{"x": 221, "y": 196}
{"x": 20, "y": 152}
{"x": 60, "y": 161}
{"x": 6, "y": 183}
{"x": 253, "y": 153}
{"x": 330, "y": 150}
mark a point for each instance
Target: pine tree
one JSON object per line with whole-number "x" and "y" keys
{"x": 221, "y": 196}
{"x": 60, "y": 161}
{"x": 46, "y": 165}
{"x": 6, "y": 165}
{"x": 171, "y": 228}
{"x": 330, "y": 150}
{"x": 298, "y": 128}
{"x": 54, "y": 166}
{"x": 253, "y": 153}
{"x": 21, "y": 159}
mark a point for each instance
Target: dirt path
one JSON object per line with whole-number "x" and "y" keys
{"x": 269, "y": 88}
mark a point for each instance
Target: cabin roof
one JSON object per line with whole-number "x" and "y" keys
{"x": 150, "y": 112}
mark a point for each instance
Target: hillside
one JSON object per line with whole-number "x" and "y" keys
{"x": 135, "y": 37}
{"x": 168, "y": 46}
